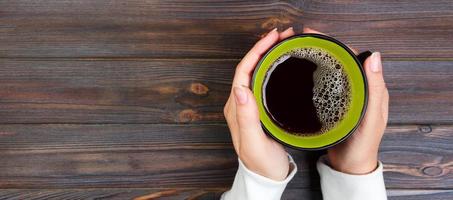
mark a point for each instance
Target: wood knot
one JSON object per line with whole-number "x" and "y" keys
{"x": 432, "y": 171}
{"x": 199, "y": 89}
{"x": 189, "y": 115}
{"x": 425, "y": 129}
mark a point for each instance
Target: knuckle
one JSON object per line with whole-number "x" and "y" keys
{"x": 227, "y": 115}
{"x": 225, "y": 110}
{"x": 238, "y": 67}
{"x": 258, "y": 44}
{"x": 253, "y": 55}
{"x": 379, "y": 87}
{"x": 385, "y": 92}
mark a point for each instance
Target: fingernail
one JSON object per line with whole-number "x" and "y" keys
{"x": 290, "y": 28}
{"x": 273, "y": 30}
{"x": 376, "y": 62}
{"x": 241, "y": 95}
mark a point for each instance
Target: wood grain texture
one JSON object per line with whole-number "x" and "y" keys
{"x": 420, "y": 194}
{"x": 181, "y": 91}
{"x": 113, "y": 99}
{"x": 113, "y": 194}
{"x": 221, "y": 29}
{"x": 194, "y": 194}
{"x": 182, "y": 156}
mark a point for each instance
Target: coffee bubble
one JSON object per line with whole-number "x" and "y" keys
{"x": 331, "y": 90}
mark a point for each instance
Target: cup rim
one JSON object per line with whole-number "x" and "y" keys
{"x": 365, "y": 82}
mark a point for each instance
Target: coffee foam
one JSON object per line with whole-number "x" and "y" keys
{"x": 331, "y": 91}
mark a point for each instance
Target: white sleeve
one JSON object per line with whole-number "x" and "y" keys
{"x": 336, "y": 185}
{"x": 249, "y": 185}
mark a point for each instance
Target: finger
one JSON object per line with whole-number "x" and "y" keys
{"x": 309, "y": 30}
{"x": 247, "y": 114}
{"x": 376, "y": 85}
{"x": 248, "y": 63}
{"x": 385, "y": 106}
{"x": 230, "y": 115}
{"x": 287, "y": 33}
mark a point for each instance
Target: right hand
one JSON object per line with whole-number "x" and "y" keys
{"x": 359, "y": 153}
{"x": 257, "y": 151}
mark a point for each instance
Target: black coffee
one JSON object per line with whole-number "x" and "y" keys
{"x": 289, "y": 94}
{"x": 306, "y": 91}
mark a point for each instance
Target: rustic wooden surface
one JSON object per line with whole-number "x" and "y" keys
{"x": 123, "y": 99}
{"x": 191, "y": 194}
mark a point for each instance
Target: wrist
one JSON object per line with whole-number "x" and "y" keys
{"x": 353, "y": 164}
{"x": 277, "y": 170}
{"x": 276, "y": 173}
{"x": 282, "y": 174}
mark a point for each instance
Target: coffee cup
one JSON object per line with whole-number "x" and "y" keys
{"x": 311, "y": 91}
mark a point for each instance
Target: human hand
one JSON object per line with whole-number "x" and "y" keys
{"x": 359, "y": 153}
{"x": 257, "y": 151}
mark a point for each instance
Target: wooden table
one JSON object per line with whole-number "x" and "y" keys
{"x": 123, "y": 99}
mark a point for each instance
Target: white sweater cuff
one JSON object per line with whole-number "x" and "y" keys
{"x": 336, "y": 185}
{"x": 249, "y": 185}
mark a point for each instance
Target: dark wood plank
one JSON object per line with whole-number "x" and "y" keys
{"x": 221, "y": 29}
{"x": 99, "y": 156}
{"x": 420, "y": 194}
{"x": 113, "y": 194}
{"x": 393, "y": 194}
{"x": 194, "y": 194}
{"x": 419, "y": 91}
{"x": 157, "y": 91}
{"x": 396, "y": 28}
{"x": 181, "y": 91}
{"x": 67, "y": 156}
{"x": 412, "y": 154}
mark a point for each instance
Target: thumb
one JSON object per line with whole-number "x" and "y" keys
{"x": 376, "y": 84}
{"x": 247, "y": 114}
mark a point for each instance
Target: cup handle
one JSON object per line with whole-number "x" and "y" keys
{"x": 363, "y": 56}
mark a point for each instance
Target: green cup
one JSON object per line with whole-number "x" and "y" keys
{"x": 357, "y": 81}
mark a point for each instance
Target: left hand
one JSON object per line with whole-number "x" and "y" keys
{"x": 257, "y": 151}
